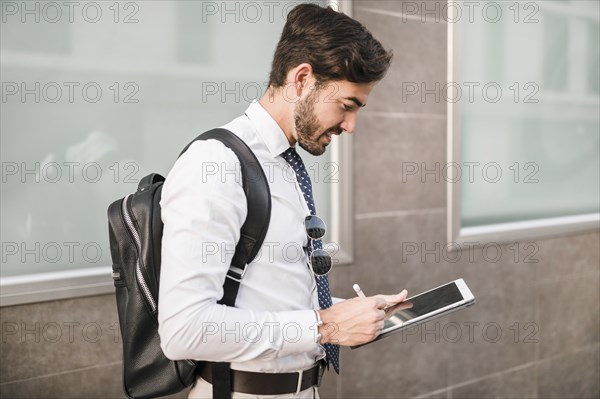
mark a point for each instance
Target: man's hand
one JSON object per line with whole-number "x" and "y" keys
{"x": 391, "y": 310}
{"x": 358, "y": 320}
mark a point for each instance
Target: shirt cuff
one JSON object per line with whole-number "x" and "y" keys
{"x": 336, "y": 299}
{"x": 299, "y": 331}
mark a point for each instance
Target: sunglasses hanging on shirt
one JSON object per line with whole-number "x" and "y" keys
{"x": 319, "y": 260}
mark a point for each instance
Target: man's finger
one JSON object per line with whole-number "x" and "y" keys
{"x": 392, "y": 299}
{"x": 381, "y": 315}
{"x": 380, "y": 300}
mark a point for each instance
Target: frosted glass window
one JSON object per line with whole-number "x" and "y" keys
{"x": 91, "y": 106}
{"x": 534, "y": 148}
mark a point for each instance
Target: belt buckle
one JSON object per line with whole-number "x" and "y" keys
{"x": 299, "y": 385}
{"x": 322, "y": 364}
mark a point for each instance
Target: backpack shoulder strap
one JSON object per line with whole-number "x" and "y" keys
{"x": 258, "y": 197}
{"x": 253, "y": 232}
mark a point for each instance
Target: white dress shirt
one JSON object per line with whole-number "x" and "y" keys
{"x": 273, "y": 326}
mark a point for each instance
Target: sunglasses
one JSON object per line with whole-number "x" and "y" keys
{"x": 320, "y": 260}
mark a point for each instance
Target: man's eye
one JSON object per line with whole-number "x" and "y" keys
{"x": 347, "y": 107}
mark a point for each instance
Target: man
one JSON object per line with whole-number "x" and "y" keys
{"x": 324, "y": 69}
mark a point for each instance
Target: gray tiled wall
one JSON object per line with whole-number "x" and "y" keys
{"x": 534, "y": 331}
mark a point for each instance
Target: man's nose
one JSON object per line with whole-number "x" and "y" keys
{"x": 349, "y": 122}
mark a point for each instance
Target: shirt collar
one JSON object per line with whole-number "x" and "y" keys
{"x": 267, "y": 129}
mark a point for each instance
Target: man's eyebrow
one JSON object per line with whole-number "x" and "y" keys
{"x": 355, "y": 101}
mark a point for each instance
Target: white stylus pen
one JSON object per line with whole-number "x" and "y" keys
{"x": 358, "y": 291}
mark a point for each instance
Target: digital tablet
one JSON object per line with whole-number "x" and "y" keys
{"x": 424, "y": 307}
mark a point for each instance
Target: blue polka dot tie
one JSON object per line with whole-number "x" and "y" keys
{"x": 324, "y": 294}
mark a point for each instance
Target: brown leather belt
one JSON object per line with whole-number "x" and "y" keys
{"x": 270, "y": 383}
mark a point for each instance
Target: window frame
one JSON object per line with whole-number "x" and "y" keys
{"x": 499, "y": 232}
{"x": 86, "y": 281}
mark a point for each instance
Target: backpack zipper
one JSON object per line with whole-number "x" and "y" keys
{"x": 138, "y": 245}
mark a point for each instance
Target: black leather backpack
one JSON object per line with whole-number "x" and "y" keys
{"x": 135, "y": 234}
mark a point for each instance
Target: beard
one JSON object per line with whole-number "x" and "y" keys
{"x": 307, "y": 126}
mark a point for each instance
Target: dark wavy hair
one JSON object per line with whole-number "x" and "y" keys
{"x": 335, "y": 45}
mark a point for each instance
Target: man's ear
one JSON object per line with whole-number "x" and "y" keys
{"x": 301, "y": 77}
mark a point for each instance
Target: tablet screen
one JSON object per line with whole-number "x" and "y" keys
{"x": 426, "y": 303}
